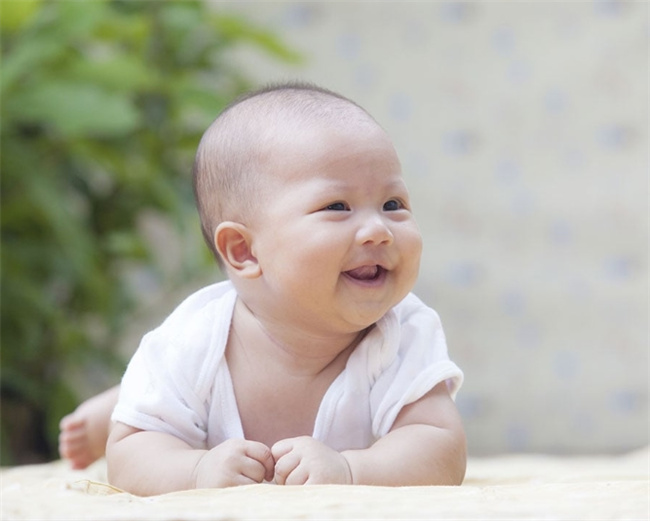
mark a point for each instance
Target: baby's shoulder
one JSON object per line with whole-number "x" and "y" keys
{"x": 193, "y": 311}
{"x": 189, "y": 344}
{"x": 198, "y": 323}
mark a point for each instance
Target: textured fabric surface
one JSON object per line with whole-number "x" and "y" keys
{"x": 508, "y": 487}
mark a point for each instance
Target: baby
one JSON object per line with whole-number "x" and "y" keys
{"x": 313, "y": 363}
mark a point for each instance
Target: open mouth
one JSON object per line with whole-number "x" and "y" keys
{"x": 366, "y": 273}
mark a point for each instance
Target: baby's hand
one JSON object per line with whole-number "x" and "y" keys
{"x": 235, "y": 462}
{"x": 306, "y": 460}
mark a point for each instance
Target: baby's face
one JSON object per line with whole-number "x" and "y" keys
{"x": 334, "y": 234}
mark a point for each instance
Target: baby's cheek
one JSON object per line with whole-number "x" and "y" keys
{"x": 412, "y": 244}
{"x": 411, "y": 255}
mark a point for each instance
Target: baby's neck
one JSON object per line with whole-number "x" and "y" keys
{"x": 300, "y": 352}
{"x": 281, "y": 374}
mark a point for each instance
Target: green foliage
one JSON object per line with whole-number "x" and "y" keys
{"x": 103, "y": 105}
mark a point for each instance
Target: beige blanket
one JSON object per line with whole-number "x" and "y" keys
{"x": 507, "y": 487}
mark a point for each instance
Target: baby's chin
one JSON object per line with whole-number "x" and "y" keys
{"x": 365, "y": 317}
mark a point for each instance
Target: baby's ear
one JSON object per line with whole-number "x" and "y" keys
{"x": 233, "y": 241}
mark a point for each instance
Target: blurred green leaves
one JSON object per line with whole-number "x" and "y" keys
{"x": 103, "y": 105}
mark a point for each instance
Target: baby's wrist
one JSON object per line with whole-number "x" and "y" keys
{"x": 196, "y": 478}
{"x": 349, "y": 480}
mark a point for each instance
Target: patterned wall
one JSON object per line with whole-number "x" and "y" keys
{"x": 523, "y": 132}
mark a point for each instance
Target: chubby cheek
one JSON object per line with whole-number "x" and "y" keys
{"x": 313, "y": 258}
{"x": 417, "y": 247}
{"x": 411, "y": 248}
{"x": 410, "y": 238}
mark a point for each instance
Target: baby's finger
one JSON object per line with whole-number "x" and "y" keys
{"x": 282, "y": 447}
{"x": 262, "y": 455}
{"x": 285, "y": 466}
{"x": 298, "y": 476}
{"x": 252, "y": 470}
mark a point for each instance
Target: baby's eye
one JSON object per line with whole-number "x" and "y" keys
{"x": 337, "y": 207}
{"x": 393, "y": 205}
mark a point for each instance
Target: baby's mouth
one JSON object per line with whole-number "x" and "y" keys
{"x": 366, "y": 272}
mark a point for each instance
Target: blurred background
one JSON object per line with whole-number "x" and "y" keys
{"x": 523, "y": 134}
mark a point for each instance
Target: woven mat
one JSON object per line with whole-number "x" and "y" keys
{"x": 507, "y": 487}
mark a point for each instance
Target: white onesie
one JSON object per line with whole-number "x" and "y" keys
{"x": 178, "y": 380}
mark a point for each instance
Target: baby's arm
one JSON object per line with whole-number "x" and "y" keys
{"x": 147, "y": 463}
{"x": 425, "y": 446}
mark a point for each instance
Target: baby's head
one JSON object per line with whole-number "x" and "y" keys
{"x": 301, "y": 199}
{"x": 231, "y": 169}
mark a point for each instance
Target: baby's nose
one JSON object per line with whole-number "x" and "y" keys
{"x": 374, "y": 230}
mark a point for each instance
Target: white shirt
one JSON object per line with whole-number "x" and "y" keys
{"x": 178, "y": 381}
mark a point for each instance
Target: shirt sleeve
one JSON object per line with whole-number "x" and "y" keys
{"x": 154, "y": 398}
{"x": 167, "y": 384}
{"x": 412, "y": 360}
